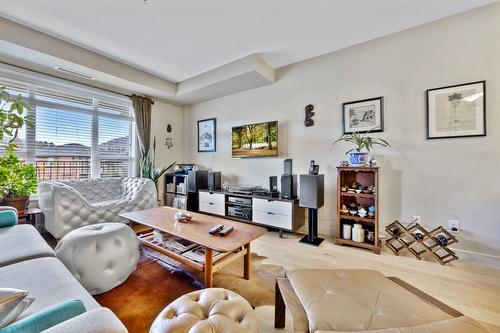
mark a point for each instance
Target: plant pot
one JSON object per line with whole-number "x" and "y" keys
{"x": 358, "y": 159}
{"x": 19, "y": 203}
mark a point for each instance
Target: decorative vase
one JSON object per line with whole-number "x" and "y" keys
{"x": 19, "y": 203}
{"x": 358, "y": 159}
{"x": 346, "y": 234}
{"x": 358, "y": 233}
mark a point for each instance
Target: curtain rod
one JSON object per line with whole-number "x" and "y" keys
{"x": 85, "y": 84}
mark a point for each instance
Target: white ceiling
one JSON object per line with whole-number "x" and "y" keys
{"x": 179, "y": 39}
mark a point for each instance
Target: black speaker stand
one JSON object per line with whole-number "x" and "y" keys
{"x": 312, "y": 237}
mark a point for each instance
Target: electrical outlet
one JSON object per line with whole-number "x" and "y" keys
{"x": 454, "y": 226}
{"x": 416, "y": 219}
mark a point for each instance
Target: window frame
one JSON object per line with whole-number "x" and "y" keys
{"x": 35, "y": 81}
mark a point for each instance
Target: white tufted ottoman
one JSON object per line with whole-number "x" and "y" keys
{"x": 100, "y": 256}
{"x": 212, "y": 310}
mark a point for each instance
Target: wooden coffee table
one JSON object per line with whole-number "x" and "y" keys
{"x": 235, "y": 245}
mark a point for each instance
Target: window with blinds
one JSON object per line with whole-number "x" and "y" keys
{"x": 77, "y": 132}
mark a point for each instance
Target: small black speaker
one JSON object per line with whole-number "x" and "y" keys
{"x": 273, "y": 184}
{"x": 312, "y": 191}
{"x": 287, "y": 166}
{"x": 289, "y": 186}
{"x": 197, "y": 180}
{"x": 214, "y": 180}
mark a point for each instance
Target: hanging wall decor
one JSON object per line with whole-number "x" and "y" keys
{"x": 457, "y": 111}
{"x": 207, "y": 141}
{"x": 309, "y": 114}
{"x": 363, "y": 116}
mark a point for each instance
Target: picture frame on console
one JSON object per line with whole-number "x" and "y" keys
{"x": 457, "y": 111}
{"x": 207, "y": 135}
{"x": 363, "y": 116}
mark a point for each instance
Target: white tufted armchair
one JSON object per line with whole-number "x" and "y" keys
{"x": 70, "y": 204}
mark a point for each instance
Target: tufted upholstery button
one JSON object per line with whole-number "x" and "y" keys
{"x": 91, "y": 254}
{"x": 213, "y": 310}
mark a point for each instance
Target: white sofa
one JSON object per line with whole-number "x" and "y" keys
{"x": 70, "y": 204}
{"x": 28, "y": 263}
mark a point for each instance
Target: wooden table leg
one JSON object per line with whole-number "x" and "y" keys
{"x": 246, "y": 263}
{"x": 208, "y": 268}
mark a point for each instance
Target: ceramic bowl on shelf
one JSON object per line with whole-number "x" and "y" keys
{"x": 358, "y": 191}
{"x": 353, "y": 212}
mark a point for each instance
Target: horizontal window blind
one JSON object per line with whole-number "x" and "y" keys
{"x": 77, "y": 132}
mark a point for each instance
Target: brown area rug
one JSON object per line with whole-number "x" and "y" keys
{"x": 159, "y": 280}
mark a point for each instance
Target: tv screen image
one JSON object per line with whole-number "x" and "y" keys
{"x": 255, "y": 140}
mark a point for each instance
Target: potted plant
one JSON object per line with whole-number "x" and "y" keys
{"x": 12, "y": 117}
{"x": 358, "y": 157}
{"x": 17, "y": 181}
{"x": 148, "y": 169}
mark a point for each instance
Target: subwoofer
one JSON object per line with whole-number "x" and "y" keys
{"x": 197, "y": 180}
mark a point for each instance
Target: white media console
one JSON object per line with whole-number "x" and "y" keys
{"x": 278, "y": 213}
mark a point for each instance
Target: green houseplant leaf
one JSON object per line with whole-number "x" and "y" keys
{"x": 147, "y": 165}
{"x": 361, "y": 141}
{"x": 17, "y": 178}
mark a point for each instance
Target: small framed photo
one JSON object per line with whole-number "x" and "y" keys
{"x": 457, "y": 111}
{"x": 207, "y": 135}
{"x": 363, "y": 116}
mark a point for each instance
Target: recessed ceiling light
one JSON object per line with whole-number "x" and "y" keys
{"x": 72, "y": 72}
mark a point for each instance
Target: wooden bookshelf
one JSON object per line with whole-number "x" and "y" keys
{"x": 367, "y": 176}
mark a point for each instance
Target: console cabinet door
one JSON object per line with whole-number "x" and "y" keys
{"x": 213, "y": 203}
{"x": 273, "y": 213}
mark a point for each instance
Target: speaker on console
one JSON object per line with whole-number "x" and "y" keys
{"x": 289, "y": 186}
{"x": 312, "y": 191}
{"x": 214, "y": 180}
{"x": 287, "y": 166}
{"x": 197, "y": 180}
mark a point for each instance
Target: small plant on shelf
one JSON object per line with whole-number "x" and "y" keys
{"x": 362, "y": 141}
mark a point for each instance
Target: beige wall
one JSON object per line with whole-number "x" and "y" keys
{"x": 162, "y": 115}
{"x": 436, "y": 179}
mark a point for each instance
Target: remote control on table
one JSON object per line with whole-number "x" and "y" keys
{"x": 216, "y": 229}
{"x": 225, "y": 231}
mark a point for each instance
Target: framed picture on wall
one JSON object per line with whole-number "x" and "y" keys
{"x": 363, "y": 116}
{"x": 457, "y": 111}
{"x": 207, "y": 135}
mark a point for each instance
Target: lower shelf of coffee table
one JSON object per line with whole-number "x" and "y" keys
{"x": 148, "y": 240}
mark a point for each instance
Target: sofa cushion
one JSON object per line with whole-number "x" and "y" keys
{"x": 48, "y": 281}
{"x": 22, "y": 242}
{"x": 47, "y": 318}
{"x": 358, "y": 300}
{"x": 8, "y": 218}
{"x": 100, "y": 320}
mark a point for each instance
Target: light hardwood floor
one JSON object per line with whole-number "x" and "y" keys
{"x": 470, "y": 288}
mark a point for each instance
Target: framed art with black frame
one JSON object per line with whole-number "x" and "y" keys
{"x": 207, "y": 135}
{"x": 363, "y": 116}
{"x": 457, "y": 111}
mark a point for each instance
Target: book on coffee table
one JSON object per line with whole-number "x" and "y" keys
{"x": 198, "y": 254}
{"x": 173, "y": 243}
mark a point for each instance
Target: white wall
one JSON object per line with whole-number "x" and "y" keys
{"x": 436, "y": 179}
{"x": 163, "y": 114}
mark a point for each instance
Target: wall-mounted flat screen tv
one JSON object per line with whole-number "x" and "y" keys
{"x": 255, "y": 140}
